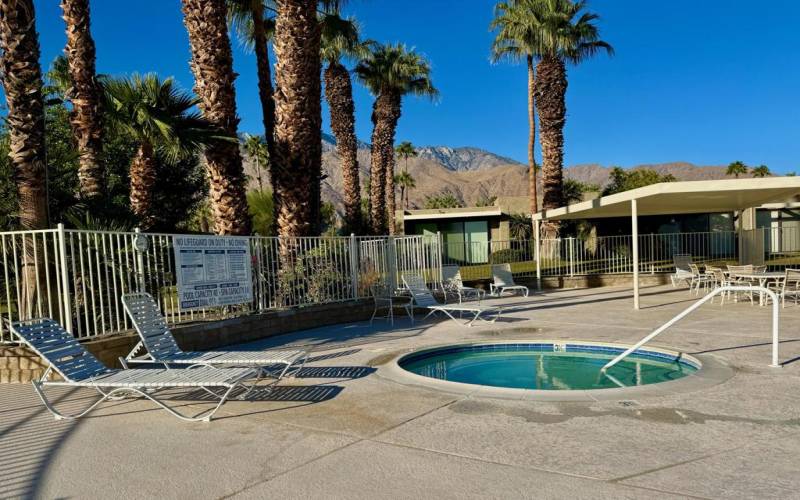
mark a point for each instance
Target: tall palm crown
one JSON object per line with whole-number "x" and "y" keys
{"x": 389, "y": 72}
{"x": 560, "y": 32}
{"x": 256, "y": 149}
{"x": 340, "y": 40}
{"x": 761, "y": 171}
{"x": 736, "y": 169}
{"x": 406, "y": 182}
{"x": 519, "y": 37}
{"x": 160, "y": 118}
{"x": 405, "y": 150}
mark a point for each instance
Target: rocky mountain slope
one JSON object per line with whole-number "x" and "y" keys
{"x": 471, "y": 173}
{"x": 463, "y": 159}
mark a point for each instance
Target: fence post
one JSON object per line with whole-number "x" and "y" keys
{"x": 354, "y": 267}
{"x": 441, "y": 255}
{"x": 537, "y": 238}
{"x": 391, "y": 262}
{"x": 571, "y": 250}
{"x": 62, "y": 254}
{"x": 139, "y": 263}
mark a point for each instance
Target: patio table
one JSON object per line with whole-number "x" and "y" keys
{"x": 762, "y": 279}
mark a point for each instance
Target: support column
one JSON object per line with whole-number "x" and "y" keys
{"x": 635, "y": 245}
{"x": 537, "y": 238}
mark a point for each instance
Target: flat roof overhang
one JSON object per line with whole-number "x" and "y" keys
{"x": 691, "y": 197}
{"x": 450, "y": 214}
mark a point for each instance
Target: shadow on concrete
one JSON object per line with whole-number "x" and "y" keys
{"x": 340, "y": 372}
{"x": 749, "y": 346}
{"x": 29, "y": 440}
{"x": 333, "y": 355}
{"x": 343, "y": 336}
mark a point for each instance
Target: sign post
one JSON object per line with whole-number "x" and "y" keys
{"x": 212, "y": 271}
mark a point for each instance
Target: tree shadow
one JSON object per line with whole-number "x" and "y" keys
{"x": 29, "y": 441}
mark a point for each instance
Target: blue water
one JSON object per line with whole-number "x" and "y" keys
{"x": 540, "y": 367}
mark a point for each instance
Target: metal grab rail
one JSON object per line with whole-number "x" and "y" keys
{"x": 690, "y": 309}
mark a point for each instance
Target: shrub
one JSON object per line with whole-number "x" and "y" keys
{"x": 506, "y": 256}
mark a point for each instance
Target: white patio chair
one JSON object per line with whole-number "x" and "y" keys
{"x": 503, "y": 280}
{"x": 453, "y": 284}
{"x": 787, "y": 286}
{"x": 79, "y": 368}
{"x": 156, "y": 338}
{"x": 683, "y": 271}
{"x": 384, "y": 298}
{"x": 423, "y": 298}
{"x": 720, "y": 280}
{"x": 700, "y": 279}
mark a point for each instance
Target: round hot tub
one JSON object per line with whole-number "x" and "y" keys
{"x": 549, "y": 366}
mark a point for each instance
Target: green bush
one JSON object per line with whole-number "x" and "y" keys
{"x": 506, "y": 256}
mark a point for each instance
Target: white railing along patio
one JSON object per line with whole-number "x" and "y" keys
{"x": 77, "y": 277}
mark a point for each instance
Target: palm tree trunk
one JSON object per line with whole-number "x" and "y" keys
{"x": 403, "y": 195}
{"x": 385, "y": 114}
{"x": 265, "y": 91}
{"x": 534, "y": 203}
{"x": 143, "y": 173}
{"x": 85, "y": 97}
{"x": 551, "y": 89}
{"x": 22, "y": 81}
{"x": 339, "y": 94}
{"x": 298, "y": 118}
{"x": 212, "y": 65}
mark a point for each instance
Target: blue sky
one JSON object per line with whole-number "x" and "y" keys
{"x": 707, "y": 82}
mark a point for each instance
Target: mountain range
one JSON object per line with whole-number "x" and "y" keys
{"x": 471, "y": 173}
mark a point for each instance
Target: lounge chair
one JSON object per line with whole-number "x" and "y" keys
{"x": 683, "y": 271}
{"x": 79, "y": 368}
{"x": 453, "y": 284}
{"x": 155, "y": 336}
{"x": 423, "y": 298}
{"x": 504, "y": 280}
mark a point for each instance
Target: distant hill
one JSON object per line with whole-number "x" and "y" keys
{"x": 463, "y": 159}
{"x": 472, "y": 173}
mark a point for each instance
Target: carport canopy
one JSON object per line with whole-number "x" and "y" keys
{"x": 673, "y": 198}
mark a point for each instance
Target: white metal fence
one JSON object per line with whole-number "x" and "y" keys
{"x": 77, "y": 277}
{"x": 777, "y": 248}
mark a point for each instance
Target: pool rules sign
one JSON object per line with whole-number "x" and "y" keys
{"x": 212, "y": 271}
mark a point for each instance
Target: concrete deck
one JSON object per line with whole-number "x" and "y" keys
{"x": 345, "y": 430}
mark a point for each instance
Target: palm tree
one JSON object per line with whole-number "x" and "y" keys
{"x": 22, "y": 82}
{"x": 736, "y": 169}
{"x": 340, "y": 39}
{"x": 159, "y": 117}
{"x": 246, "y": 18}
{"x": 389, "y": 72}
{"x": 406, "y": 183}
{"x": 567, "y": 34}
{"x": 405, "y": 150}
{"x": 212, "y": 65}
{"x": 85, "y": 95}
{"x": 298, "y": 117}
{"x": 761, "y": 171}
{"x": 518, "y": 36}
{"x": 21, "y": 77}
{"x": 256, "y": 149}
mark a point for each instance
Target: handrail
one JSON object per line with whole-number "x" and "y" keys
{"x": 690, "y": 309}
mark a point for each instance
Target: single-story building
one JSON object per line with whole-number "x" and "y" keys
{"x": 466, "y": 232}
